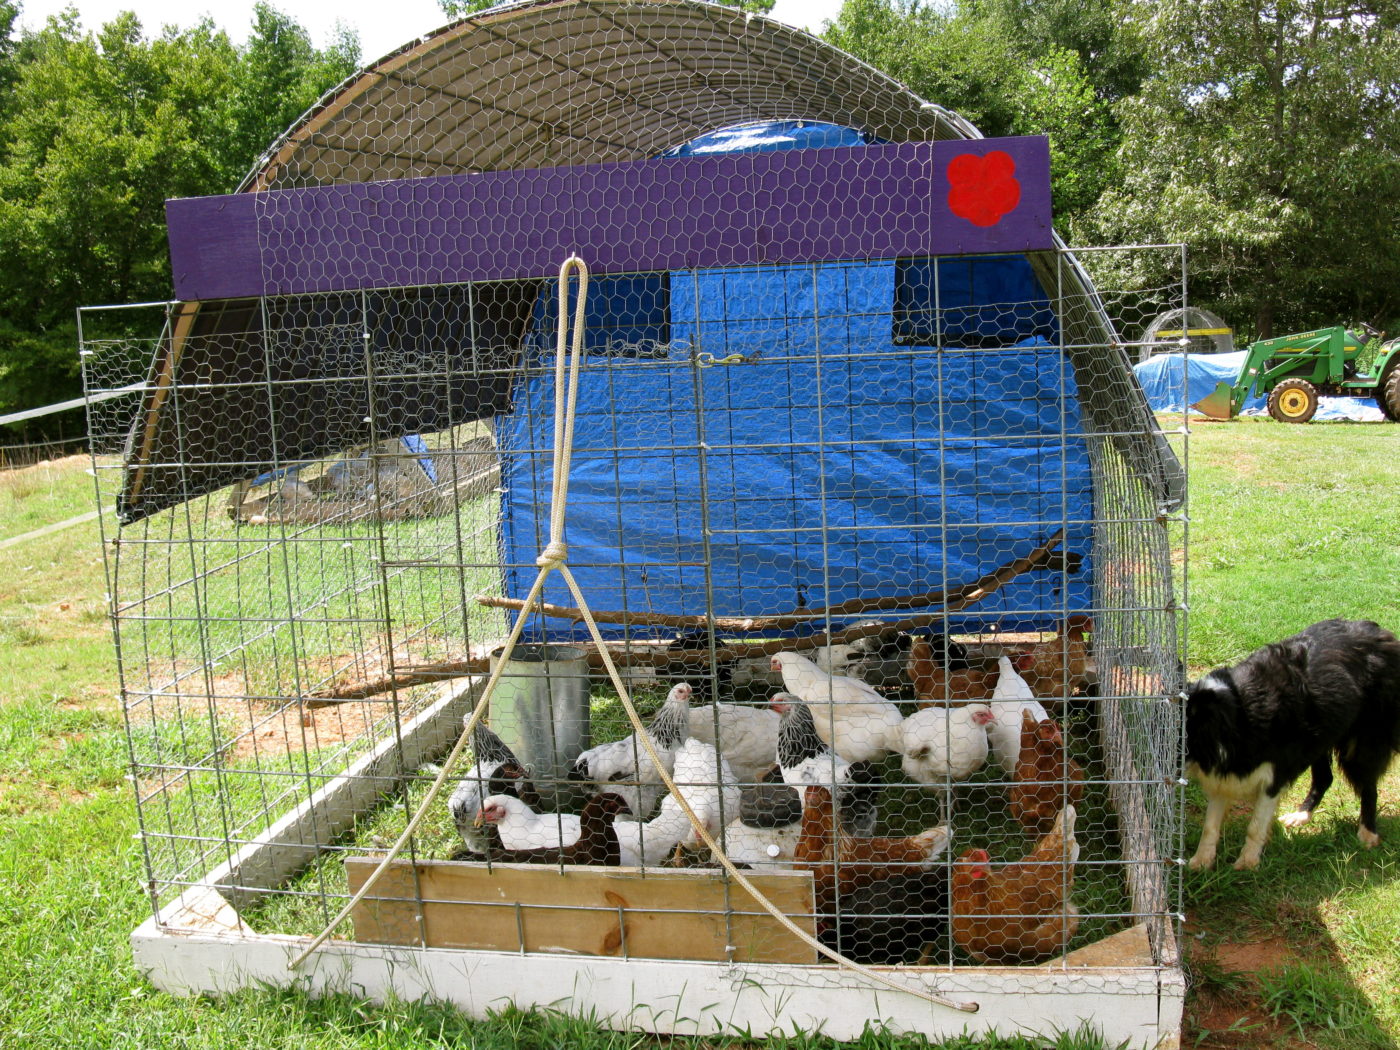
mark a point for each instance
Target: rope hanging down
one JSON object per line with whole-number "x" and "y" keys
{"x": 555, "y": 557}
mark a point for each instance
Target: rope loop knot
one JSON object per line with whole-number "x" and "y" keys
{"x": 553, "y": 556}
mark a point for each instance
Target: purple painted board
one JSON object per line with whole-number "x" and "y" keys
{"x": 869, "y": 202}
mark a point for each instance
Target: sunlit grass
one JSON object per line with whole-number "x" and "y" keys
{"x": 1289, "y": 525}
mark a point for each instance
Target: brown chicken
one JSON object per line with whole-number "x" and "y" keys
{"x": 1061, "y": 666}
{"x": 959, "y": 681}
{"x": 1020, "y": 912}
{"x": 1046, "y": 777}
{"x": 863, "y": 861}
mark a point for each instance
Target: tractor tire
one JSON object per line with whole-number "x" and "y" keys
{"x": 1388, "y": 394}
{"x": 1293, "y": 401}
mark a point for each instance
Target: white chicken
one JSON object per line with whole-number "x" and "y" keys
{"x": 707, "y": 784}
{"x": 497, "y": 772}
{"x": 624, "y": 767}
{"x": 850, "y": 715}
{"x": 646, "y": 842}
{"x": 764, "y": 849}
{"x": 1010, "y": 697}
{"x": 748, "y": 736}
{"x": 946, "y": 743}
{"x": 520, "y": 827}
{"x": 806, "y": 761}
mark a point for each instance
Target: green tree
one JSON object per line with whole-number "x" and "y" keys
{"x": 103, "y": 128}
{"x": 462, "y": 8}
{"x": 101, "y": 134}
{"x": 1103, "y": 33}
{"x": 9, "y": 15}
{"x": 1267, "y": 139}
{"x": 280, "y": 76}
{"x": 966, "y": 61}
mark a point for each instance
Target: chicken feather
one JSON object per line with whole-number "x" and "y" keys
{"x": 624, "y": 767}
{"x": 1046, "y": 777}
{"x": 851, "y": 715}
{"x": 1011, "y": 696}
{"x": 1019, "y": 912}
{"x": 496, "y": 772}
{"x": 520, "y": 827}
{"x": 940, "y": 744}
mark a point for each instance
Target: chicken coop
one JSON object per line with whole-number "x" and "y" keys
{"x": 630, "y": 510}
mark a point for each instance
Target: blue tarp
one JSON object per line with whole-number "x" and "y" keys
{"x": 1172, "y": 382}
{"x": 832, "y": 462}
{"x": 763, "y": 136}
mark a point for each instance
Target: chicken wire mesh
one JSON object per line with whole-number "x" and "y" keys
{"x": 933, "y": 477}
{"x": 276, "y": 633}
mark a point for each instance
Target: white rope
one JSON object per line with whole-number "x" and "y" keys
{"x": 553, "y": 557}
{"x": 550, "y": 558}
{"x": 738, "y": 876}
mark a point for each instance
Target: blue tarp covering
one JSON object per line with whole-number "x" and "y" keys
{"x": 906, "y": 494}
{"x": 767, "y": 135}
{"x": 1173, "y": 382}
{"x": 834, "y": 462}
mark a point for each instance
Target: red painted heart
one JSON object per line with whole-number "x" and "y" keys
{"x": 983, "y": 189}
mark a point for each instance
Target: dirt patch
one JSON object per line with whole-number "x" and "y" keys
{"x": 1214, "y": 1022}
{"x": 1254, "y": 956}
{"x": 1224, "y": 1007}
{"x": 294, "y": 728}
{"x": 254, "y": 726}
{"x": 21, "y": 796}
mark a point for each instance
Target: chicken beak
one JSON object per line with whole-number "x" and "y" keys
{"x": 480, "y": 819}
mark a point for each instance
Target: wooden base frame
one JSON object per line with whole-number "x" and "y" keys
{"x": 198, "y": 945}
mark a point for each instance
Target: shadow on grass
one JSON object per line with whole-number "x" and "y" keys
{"x": 1302, "y": 951}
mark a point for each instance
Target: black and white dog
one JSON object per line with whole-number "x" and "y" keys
{"x": 1252, "y": 729}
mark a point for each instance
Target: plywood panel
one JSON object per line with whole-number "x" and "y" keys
{"x": 622, "y": 912}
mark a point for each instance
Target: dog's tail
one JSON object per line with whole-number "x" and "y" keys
{"x": 1385, "y": 658}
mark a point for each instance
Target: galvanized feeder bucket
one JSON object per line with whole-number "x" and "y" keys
{"x": 540, "y": 709}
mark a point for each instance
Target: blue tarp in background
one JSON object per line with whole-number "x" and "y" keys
{"x": 1173, "y": 382}
{"x": 843, "y": 458}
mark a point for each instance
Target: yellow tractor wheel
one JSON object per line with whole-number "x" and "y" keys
{"x": 1293, "y": 401}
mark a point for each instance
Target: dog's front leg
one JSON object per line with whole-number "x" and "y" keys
{"x": 1210, "y": 831}
{"x": 1260, "y": 822}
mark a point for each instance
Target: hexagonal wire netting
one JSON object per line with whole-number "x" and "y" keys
{"x": 932, "y": 477}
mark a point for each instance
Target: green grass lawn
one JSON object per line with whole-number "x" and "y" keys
{"x": 1288, "y": 525}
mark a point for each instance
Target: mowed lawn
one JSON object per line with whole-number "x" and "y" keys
{"x": 1287, "y": 525}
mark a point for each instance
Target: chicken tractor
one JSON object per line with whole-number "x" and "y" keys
{"x": 1293, "y": 371}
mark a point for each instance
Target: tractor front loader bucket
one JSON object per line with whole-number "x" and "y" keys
{"x": 1218, "y": 404}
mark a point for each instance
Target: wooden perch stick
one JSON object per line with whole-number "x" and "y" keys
{"x": 1038, "y": 558}
{"x": 955, "y": 600}
{"x": 659, "y": 659}
{"x": 959, "y": 598}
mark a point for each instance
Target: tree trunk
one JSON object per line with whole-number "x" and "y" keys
{"x": 1264, "y": 321}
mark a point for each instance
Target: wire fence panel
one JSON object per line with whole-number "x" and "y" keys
{"x": 884, "y": 541}
{"x": 935, "y": 524}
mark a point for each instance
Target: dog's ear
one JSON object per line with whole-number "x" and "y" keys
{"x": 1210, "y": 713}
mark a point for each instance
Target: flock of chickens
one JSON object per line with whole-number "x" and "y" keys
{"x": 796, "y": 784}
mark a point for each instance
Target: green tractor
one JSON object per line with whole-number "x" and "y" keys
{"x": 1293, "y": 371}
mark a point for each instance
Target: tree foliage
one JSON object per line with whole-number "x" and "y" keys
{"x": 99, "y": 131}
{"x": 966, "y": 60}
{"x": 1101, "y": 33}
{"x": 1266, "y": 139}
{"x": 1265, "y": 134}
